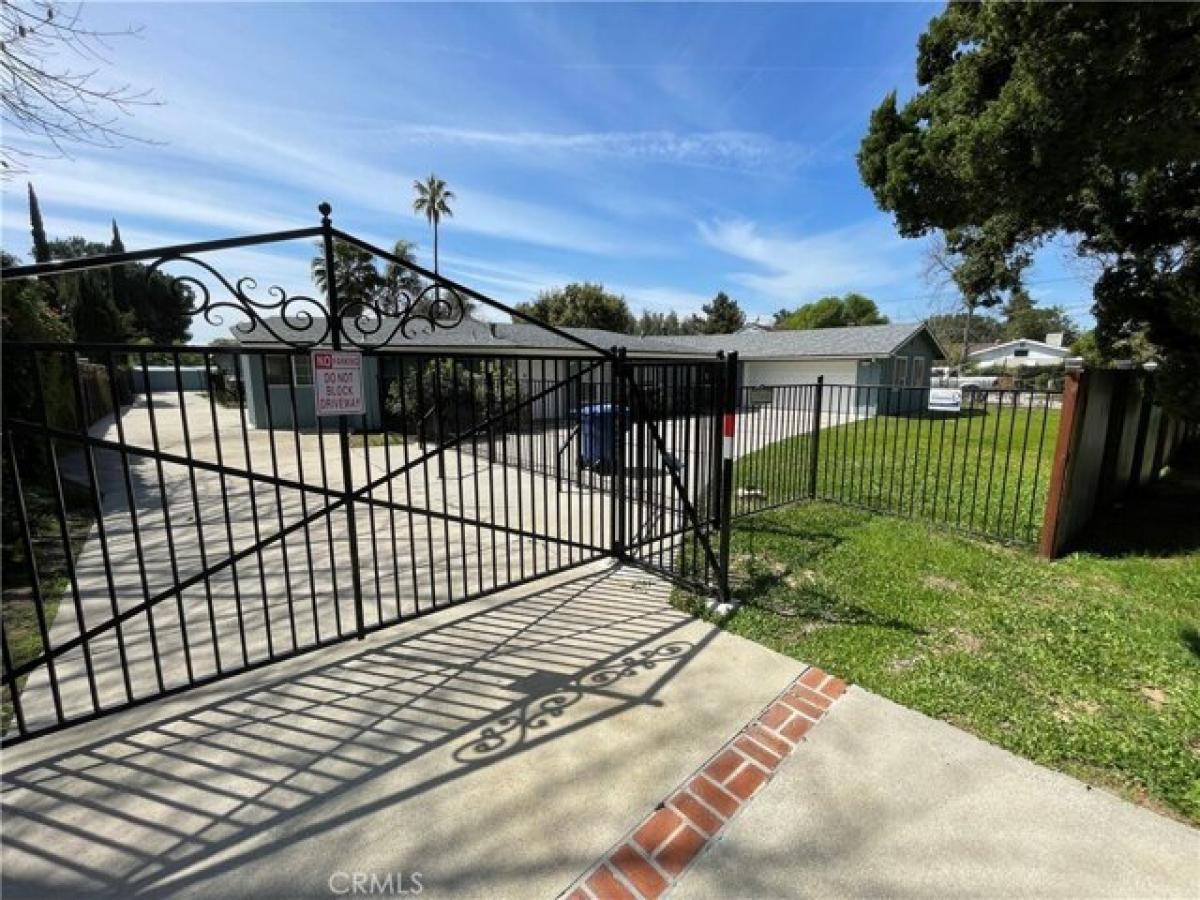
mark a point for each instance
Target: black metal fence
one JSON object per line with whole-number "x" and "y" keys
{"x": 166, "y": 530}
{"x": 983, "y": 467}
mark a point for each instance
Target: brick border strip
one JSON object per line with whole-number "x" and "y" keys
{"x": 656, "y": 853}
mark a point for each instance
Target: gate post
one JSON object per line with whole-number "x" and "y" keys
{"x": 815, "y": 440}
{"x": 620, "y": 368}
{"x": 725, "y": 509}
{"x": 335, "y": 332}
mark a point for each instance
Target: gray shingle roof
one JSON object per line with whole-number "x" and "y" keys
{"x": 468, "y": 333}
{"x": 852, "y": 343}
{"x": 855, "y": 342}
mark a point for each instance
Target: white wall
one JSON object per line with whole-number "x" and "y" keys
{"x": 772, "y": 372}
{"x": 1002, "y": 357}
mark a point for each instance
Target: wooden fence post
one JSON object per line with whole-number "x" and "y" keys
{"x": 1073, "y": 403}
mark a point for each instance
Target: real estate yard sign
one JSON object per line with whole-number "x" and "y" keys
{"x": 945, "y": 399}
{"x": 337, "y": 382}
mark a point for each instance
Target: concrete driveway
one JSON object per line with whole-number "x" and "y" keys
{"x": 169, "y": 522}
{"x": 497, "y": 749}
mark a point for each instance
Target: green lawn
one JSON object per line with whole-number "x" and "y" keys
{"x": 985, "y": 472}
{"x": 1090, "y": 664}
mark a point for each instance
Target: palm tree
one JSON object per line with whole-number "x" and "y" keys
{"x": 356, "y": 277}
{"x": 400, "y": 282}
{"x": 432, "y": 200}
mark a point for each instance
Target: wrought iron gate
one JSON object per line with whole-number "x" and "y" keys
{"x": 175, "y": 514}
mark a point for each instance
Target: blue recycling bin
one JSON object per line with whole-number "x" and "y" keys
{"x": 597, "y": 427}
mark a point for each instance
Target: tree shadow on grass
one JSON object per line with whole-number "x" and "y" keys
{"x": 1191, "y": 639}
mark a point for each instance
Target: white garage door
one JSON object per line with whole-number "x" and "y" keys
{"x": 774, "y": 372}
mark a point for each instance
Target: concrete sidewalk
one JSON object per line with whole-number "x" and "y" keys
{"x": 882, "y": 801}
{"x": 497, "y": 749}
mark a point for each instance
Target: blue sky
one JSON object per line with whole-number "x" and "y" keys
{"x": 667, "y": 151}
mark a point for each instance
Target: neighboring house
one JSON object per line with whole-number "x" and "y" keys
{"x": 1021, "y": 352}
{"x": 881, "y": 360}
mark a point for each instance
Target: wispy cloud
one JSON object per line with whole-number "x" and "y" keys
{"x": 789, "y": 268}
{"x": 743, "y": 150}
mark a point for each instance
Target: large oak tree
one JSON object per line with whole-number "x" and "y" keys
{"x": 1036, "y": 120}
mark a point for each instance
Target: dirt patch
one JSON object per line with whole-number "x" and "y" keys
{"x": 962, "y": 641}
{"x": 1155, "y": 697}
{"x": 805, "y": 578}
{"x": 941, "y": 583}
{"x": 905, "y": 664}
{"x": 1069, "y": 711}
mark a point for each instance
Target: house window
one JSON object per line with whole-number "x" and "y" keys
{"x": 918, "y": 371}
{"x": 1021, "y": 352}
{"x": 901, "y": 370}
{"x": 278, "y": 370}
{"x": 302, "y": 368}
{"x": 284, "y": 370}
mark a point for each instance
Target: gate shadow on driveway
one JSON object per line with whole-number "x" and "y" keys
{"x": 174, "y": 802}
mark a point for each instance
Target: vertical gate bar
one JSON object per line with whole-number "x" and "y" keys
{"x": 1012, "y": 425}
{"x": 1012, "y": 532}
{"x": 135, "y": 522}
{"x": 14, "y": 696}
{"x": 962, "y": 475}
{"x": 564, "y": 418}
{"x": 89, "y": 460}
{"x": 253, "y": 494}
{"x": 439, "y": 408}
{"x": 489, "y": 387}
{"x": 924, "y": 414}
{"x": 365, "y": 434}
{"x": 619, "y": 373}
{"x": 419, "y": 365}
{"x": 335, "y": 330}
{"x": 308, "y": 548}
{"x": 455, "y": 400}
{"x": 212, "y": 403}
{"x": 716, "y": 439}
{"x": 814, "y": 438}
{"x": 545, "y": 470}
{"x": 64, "y": 530}
{"x": 196, "y": 511}
{"x": 35, "y": 584}
{"x": 405, "y": 424}
{"x": 333, "y": 580}
{"x": 1037, "y": 470}
{"x": 729, "y": 415}
{"x": 908, "y": 396}
{"x": 519, "y": 469}
{"x": 473, "y": 383}
{"x": 283, "y": 549}
{"x": 381, "y": 391}
{"x": 504, "y": 472}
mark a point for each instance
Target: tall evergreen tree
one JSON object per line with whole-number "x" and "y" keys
{"x": 722, "y": 315}
{"x": 41, "y": 246}
{"x": 117, "y": 245}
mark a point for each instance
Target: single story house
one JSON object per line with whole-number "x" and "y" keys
{"x": 881, "y": 360}
{"x": 1021, "y": 352}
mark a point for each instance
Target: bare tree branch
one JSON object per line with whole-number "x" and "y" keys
{"x": 47, "y": 98}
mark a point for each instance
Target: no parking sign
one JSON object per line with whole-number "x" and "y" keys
{"x": 337, "y": 382}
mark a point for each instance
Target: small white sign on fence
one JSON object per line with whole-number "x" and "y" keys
{"x": 337, "y": 382}
{"x": 945, "y": 399}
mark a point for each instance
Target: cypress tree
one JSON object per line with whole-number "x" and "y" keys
{"x": 117, "y": 246}
{"x": 41, "y": 246}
